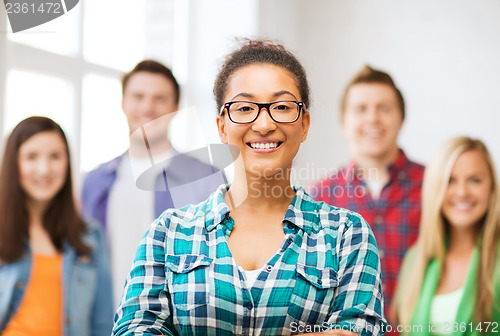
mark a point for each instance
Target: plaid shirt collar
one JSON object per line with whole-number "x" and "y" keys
{"x": 217, "y": 211}
{"x": 396, "y": 169}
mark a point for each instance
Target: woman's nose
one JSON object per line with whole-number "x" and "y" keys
{"x": 461, "y": 188}
{"x": 264, "y": 123}
{"x": 42, "y": 166}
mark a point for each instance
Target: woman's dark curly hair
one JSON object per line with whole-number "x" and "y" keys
{"x": 260, "y": 51}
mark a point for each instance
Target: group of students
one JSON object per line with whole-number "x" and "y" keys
{"x": 239, "y": 259}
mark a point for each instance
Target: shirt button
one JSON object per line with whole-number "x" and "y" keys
{"x": 186, "y": 266}
{"x": 378, "y": 220}
{"x": 381, "y": 253}
{"x": 19, "y": 285}
{"x": 249, "y": 305}
{"x": 269, "y": 268}
{"x": 68, "y": 320}
{"x": 401, "y": 175}
{"x": 320, "y": 282}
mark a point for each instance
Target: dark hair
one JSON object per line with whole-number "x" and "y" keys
{"x": 260, "y": 51}
{"x": 155, "y": 68}
{"x": 61, "y": 219}
{"x": 373, "y": 76}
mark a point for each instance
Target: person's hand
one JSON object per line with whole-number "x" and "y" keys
{"x": 331, "y": 333}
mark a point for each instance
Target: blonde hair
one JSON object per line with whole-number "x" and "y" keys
{"x": 433, "y": 228}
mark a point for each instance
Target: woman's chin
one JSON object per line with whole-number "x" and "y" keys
{"x": 266, "y": 172}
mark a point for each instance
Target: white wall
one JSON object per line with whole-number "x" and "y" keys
{"x": 444, "y": 55}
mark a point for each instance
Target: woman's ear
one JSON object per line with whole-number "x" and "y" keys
{"x": 221, "y": 127}
{"x": 306, "y": 122}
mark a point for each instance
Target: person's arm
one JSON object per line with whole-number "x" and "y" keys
{"x": 144, "y": 308}
{"x": 358, "y": 305}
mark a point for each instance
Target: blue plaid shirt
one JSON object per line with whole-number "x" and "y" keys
{"x": 184, "y": 281}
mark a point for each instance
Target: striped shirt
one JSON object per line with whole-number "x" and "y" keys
{"x": 184, "y": 281}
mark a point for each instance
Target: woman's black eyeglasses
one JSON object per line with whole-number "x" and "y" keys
{"x": 245, "y": 112}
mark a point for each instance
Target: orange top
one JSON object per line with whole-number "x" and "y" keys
{"x": 41, "y": 310}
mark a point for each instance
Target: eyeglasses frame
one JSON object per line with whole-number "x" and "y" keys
{"x": 267, "y": 106}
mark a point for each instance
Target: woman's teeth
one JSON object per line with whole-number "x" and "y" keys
{"x": 266, "y": 145}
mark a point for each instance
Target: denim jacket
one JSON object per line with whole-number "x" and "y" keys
{"x": 88, "y": 307}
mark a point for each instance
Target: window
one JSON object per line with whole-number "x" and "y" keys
{"x": 30, "y": 94}
{"x": 103, "y": 123}
{"x": 69, "y": 69}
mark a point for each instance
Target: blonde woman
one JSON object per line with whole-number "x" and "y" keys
{"x": 450, "y": 280}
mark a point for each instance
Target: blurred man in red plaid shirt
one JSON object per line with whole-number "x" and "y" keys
{"x": 380, "y": 182}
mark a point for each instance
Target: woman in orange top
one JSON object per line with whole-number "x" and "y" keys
{"x": 54, "y": 278}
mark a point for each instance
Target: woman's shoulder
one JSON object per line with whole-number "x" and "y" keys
{"x": 195, "y": 214}
{"x": 331, "y": 216}
{"x": 186, "y": 217}
{"x": 337, "y": 213}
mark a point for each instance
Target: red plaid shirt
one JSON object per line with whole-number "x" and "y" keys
{"x": 394, "y": 217}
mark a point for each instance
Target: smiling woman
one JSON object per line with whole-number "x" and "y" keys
{"x": 53, "y": 266}
{"x": 451, "y": 277}
{"x": 43, "y": 166}
{"x": 259, "y": 257}
{"x": 266, "y": 146}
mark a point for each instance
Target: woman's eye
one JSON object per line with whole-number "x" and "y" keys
{"x": 359, "y": 109}
{"x": 242, "y": 107}
{"x": 245, "y": 109}
{"x": 281, "y": 107}
{"x": 31, "y": 156}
